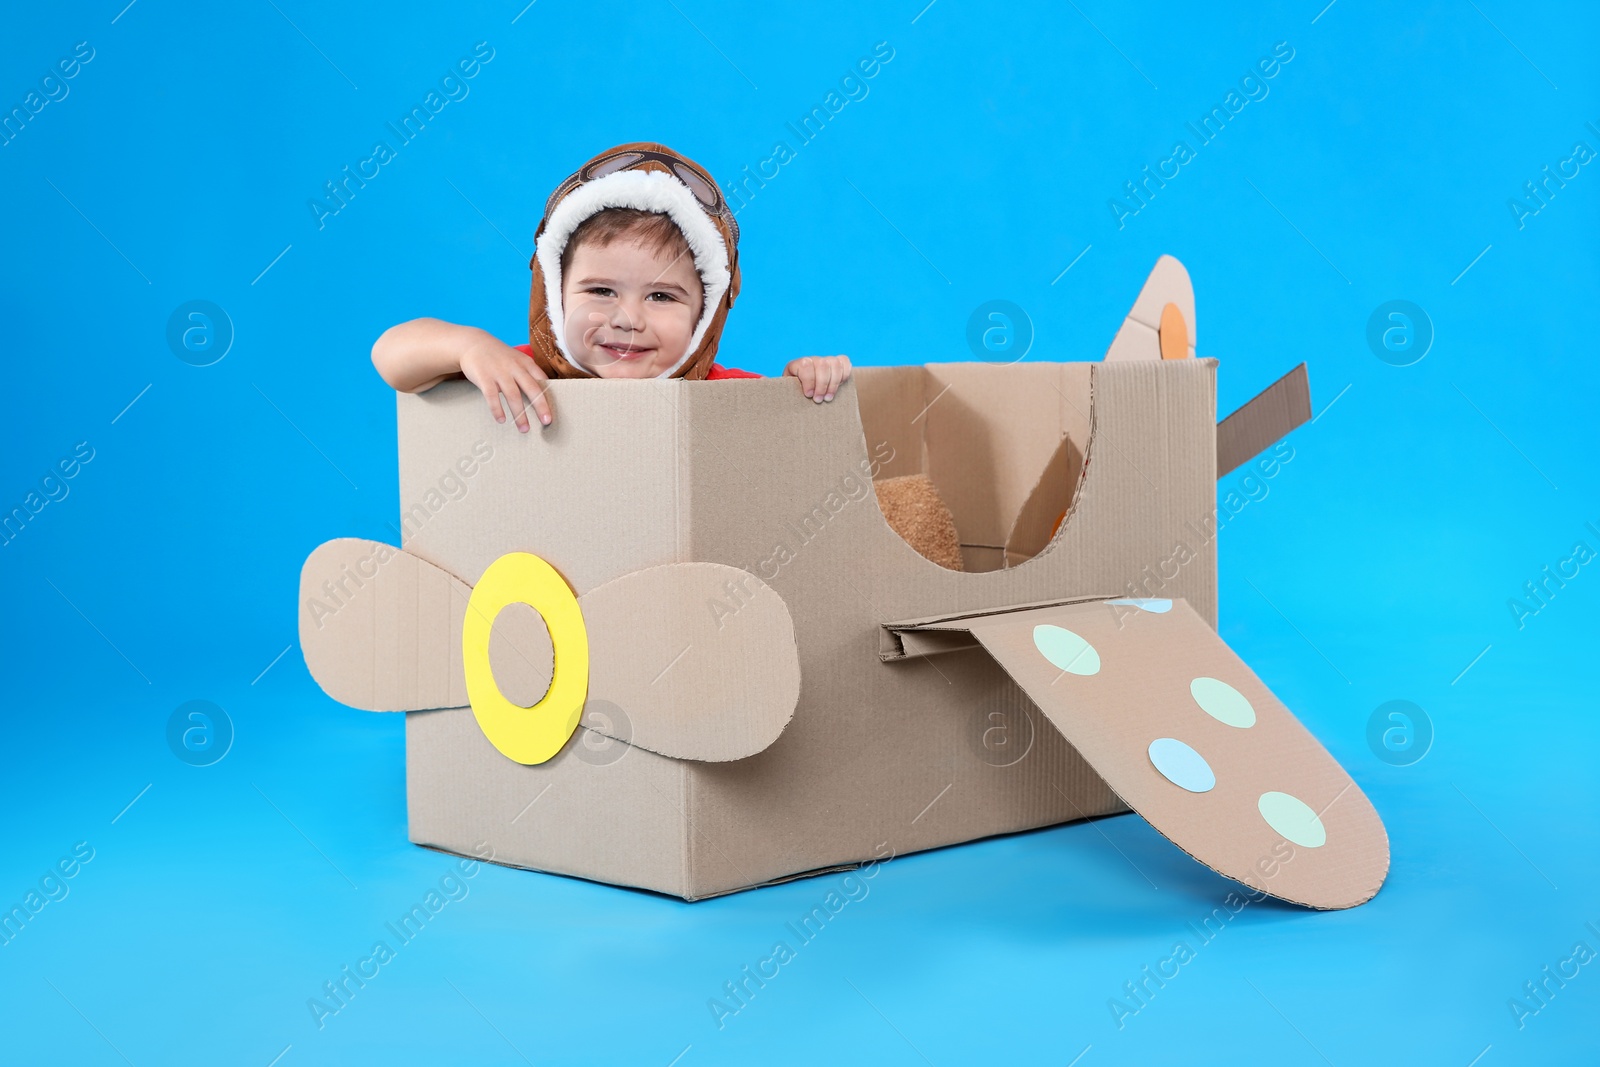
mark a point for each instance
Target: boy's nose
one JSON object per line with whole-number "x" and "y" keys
{"x": 626, "y": 315}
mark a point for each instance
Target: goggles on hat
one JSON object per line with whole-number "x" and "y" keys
{"x": 698, "y": 181}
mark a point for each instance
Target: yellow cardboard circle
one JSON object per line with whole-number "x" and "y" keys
{"x": 527, "y": 735}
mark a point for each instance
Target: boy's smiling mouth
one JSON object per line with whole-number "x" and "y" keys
{"x": 623, "y": 350}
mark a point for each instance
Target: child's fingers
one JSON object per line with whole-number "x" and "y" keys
{"x": 533, "y": 386}
{"x": 492, "y": 395}
{"x": 806, "y": 371}
{"x": 841, "y": 373}
{"x": 824, "y": 387}
{"x": 500, "y": 390}
{"x": 836, "y": 373}
{"x": 513, "y": 395}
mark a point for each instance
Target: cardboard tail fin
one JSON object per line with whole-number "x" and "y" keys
{"x": 698, "y": 658}
{"x": 1161, "y": 323}
{"x": 1187, "y": 735}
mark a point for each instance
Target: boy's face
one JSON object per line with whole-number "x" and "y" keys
{"x": 630, "y": 309}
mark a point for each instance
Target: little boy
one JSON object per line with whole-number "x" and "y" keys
{"x": 637, "y": 261}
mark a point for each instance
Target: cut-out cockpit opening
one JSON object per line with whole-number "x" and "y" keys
{"x": 1004, "y": 447}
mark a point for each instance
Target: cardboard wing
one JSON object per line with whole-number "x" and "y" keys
{"x": 385, "y": 630}
{"x": 1187, "y": 735}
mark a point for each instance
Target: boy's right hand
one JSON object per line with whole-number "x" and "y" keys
{"x": 499, "y": 370}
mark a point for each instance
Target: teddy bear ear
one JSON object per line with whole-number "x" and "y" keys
{"x": 1161, "y": 324}
{"x": 694, "y": 661}
{"x": 1187, "y": 736}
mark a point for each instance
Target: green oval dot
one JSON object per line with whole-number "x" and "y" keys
{"x": 1292, "y": 819}
{"x": 1065, "y": 649}
{"x": 1222, "y": 702}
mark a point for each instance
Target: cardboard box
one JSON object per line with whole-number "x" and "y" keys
{"x": 795, "y": 688}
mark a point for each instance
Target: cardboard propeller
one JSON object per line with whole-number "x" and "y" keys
{"x": 1187, "y": 735}
{"x": 385, "y": 630}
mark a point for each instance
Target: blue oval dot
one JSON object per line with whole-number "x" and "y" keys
{"x": 1156, "y": 605}
{"x": 1182, "y": 765}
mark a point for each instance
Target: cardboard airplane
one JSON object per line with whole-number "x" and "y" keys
{"x": 671, "y": 642}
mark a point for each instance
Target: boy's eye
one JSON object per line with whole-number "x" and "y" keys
{"x": 662, "y": 296}
{"x": 599, "y": 290}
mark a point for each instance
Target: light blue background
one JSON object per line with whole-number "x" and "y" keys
{"x": 1378, "y": 567}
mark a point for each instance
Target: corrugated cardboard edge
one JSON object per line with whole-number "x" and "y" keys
{"x": 1052, "y": 496}
{"x": 891, "y": 647}
{"x": 1080, "y": 477}
{"x": 682, "y": 552}
{"x": 692, "y": 898}
{"x": 1267, "y": 417}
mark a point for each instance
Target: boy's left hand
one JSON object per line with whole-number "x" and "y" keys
{"x": 820, "y": 376}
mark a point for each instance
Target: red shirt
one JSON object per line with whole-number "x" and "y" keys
{"x": 717, "y": 372}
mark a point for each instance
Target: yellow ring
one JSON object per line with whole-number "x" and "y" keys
{"x": 527, "y": 735}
